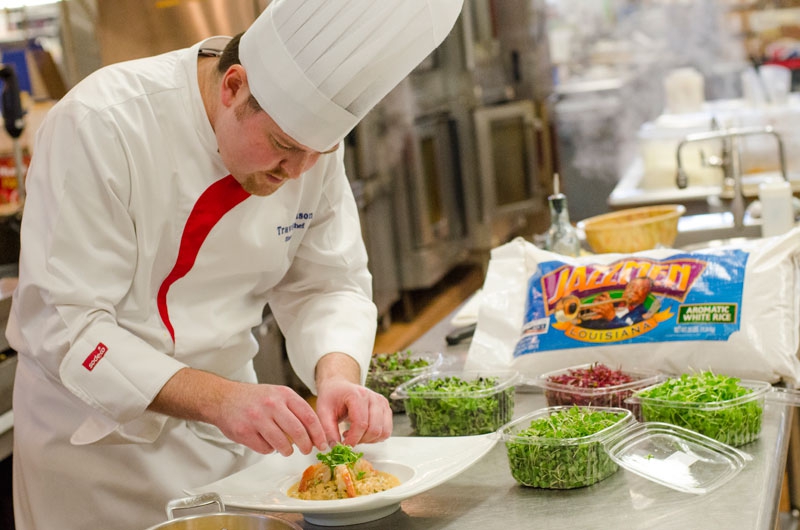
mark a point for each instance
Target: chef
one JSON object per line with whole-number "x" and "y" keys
{"x": 168, "y": 200}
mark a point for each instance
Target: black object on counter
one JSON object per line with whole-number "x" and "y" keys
{"x": 13, "y": 114}
{"x": 460, "y": 334}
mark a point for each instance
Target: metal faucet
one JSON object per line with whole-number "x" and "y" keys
{"x": 729, "y": 161}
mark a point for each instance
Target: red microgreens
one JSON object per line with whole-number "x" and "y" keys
{"x": 597, "y": 375}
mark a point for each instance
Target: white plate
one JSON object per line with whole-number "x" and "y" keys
{"x": 420, "y": 463}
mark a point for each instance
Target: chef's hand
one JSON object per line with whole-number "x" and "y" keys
{"x": 265, "y": 418}
{"x": 271, "y": 417}
{"x": 341, "y": 397}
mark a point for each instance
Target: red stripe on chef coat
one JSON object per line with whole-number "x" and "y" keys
{"x": 216, "y": 201}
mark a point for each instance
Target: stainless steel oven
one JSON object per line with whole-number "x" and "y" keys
{"x": 512, "y": 194}
{"x": 372, "y": 189}
{"x": 429, "y": 203}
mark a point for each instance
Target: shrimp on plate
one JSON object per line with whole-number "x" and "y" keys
{"x": 314, "y": 474}
{"x": 344, "y": 481}
{"x": 341, "y": 474}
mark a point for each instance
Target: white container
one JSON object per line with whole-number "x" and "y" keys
{"x": 777, "y": 81}
{"x": 685, "y": 91}
{"x": 777, "y": 209}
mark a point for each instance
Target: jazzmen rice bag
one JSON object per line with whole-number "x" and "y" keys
{"x": 733, "y": 310}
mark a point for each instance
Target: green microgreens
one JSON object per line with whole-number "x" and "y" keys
{"x": 575, "y": 422}
{"x": 390, "y": 362}
{"x": 338, "y": 455}
{"x": 536, "y": 459}
{"x": 452, "y": 406}
{"x": 387, "y": 371}
{"x": 698, "y": 402}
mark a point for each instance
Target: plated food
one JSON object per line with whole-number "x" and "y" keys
{"x": 341, "y": 474}
{"x": 420, "y": 463}
{"x": 387, "y": 371}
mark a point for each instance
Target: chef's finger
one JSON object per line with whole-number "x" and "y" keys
{"x": 248, "y": 433}
{"x": 358, "y": 416}
{"x": 255, "y": 441}
{"x": 381, "y": 426}
{"x": 266, "y": 447}
{"x": 378, "y": 426}
{"x": 305, "y": 428}
{"x": 330, "y": 423}
{"x": 275, "y": 436}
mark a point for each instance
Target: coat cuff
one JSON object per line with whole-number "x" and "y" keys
{"x": 115, "y": 372}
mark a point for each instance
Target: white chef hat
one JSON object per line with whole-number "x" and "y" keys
{"x": 318, "y": 66}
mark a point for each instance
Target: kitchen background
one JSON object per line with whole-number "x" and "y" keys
{"x": 461, "y": 156}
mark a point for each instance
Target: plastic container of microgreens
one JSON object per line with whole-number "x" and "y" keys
{"x": 459, "y": 403}
{"x": 724, "y": 408}
{"x": 389, "y": 370}
{"x": 570, "y": 447}
{"x": 562, "y": 447}
{"x": 595, "y": 384}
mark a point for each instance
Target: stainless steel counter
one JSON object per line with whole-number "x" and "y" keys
{"x": 486, "y": 496}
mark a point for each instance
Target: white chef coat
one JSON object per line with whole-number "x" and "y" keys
{"x": 133, "y": 231}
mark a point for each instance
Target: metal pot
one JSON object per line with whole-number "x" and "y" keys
{"x": 219, "y": 520}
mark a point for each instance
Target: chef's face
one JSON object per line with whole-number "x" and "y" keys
{"x": 257, "y": 152}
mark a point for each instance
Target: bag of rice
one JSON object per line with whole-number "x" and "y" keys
{"x": 733, "y": 310}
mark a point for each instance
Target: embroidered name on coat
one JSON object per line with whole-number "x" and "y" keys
{"x": 286, "y": 231}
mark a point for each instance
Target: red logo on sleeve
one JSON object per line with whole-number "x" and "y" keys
{"x": 91, "y": 361}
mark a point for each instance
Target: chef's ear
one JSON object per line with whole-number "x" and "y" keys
{"x": 234, "y": 85}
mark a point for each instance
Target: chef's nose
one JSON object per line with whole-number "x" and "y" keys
{"x": 298, "y": 162}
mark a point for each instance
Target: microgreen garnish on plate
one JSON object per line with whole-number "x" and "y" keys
{"x": 339, "y": 454}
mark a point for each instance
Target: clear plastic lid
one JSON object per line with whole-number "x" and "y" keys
{"x": 676, "y": 457}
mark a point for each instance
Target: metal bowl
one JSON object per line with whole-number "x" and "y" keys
{"x": 218, "y": 520}
{"x": 228, "y": 521}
